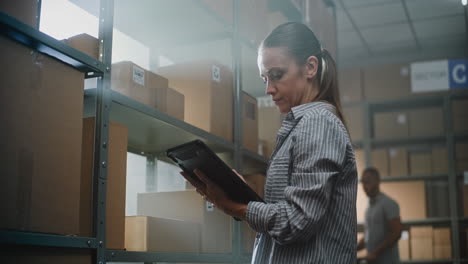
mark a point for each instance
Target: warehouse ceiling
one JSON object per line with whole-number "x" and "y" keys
{"x": 394, "y": 31}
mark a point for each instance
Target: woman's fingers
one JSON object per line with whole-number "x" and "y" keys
{"x": 203, "y": 177}
{"x": 240, "y": 176}
{"x": 195, "y": 184}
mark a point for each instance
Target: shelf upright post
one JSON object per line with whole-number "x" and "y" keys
{"x": 368, "y": 114}
{"x": 151, "y": 182}
{"x": 101, "y": 133}
{"x": 236, "y": 63}
{"x": 452, "y": 178}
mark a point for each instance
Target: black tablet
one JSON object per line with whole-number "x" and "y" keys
{"x": 197, "y": 155}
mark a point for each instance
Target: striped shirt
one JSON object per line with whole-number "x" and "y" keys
{"x": 310, "y": 192}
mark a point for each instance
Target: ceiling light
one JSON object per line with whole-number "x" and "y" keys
{"x": 464, "y": 2}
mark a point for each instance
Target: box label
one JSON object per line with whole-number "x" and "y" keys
{"x": 209, "y": 207}
{"x": 215, "y": 73}
{"x": 138, "y": 75}
{"x": 392, "y": 152}
{"x": 404, "y": 235}
{"x": 401, "y": 119}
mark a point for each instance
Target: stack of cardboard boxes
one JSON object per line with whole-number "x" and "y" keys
{"x": 422, "y": 243}
{"x": 211, "y": 227}
{"x": 48, "y": 151}
{"x": 460, "y": 116}
{"x": 181, "y": 221}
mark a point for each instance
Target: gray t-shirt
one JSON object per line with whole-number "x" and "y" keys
{"x": 380, "y": 211}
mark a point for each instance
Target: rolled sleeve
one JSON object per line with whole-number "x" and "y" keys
{"x": 258, "y": 215}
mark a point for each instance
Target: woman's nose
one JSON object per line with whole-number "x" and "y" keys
{"x": 270, "y": 89}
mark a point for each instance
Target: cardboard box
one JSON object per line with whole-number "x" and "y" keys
{"x": 133, "y": 81}
{"x": 41, "y": 108}
{"x": 354, "y": 120}
{"x": 143, "y": 233}
{"x": 23, "y": 10}
{"x": 420, "y": 163}
{"x": 189, "y": 206}
{"x": 410, "y": 196}
{"x": 426, "y": 122}
{"x": 404, "y": 246}
{"x": 254, "y": 25}
{"x": 269, "y": 122}
{"x": 386, "y": 82}
{"x": 442, "y": 252}
{"x": 421, "y": 242}
{"x": 442, "y": 236}
{"x": 465, "y": 202}
{"x": 421, "y": 248}
{"x": 116, "y": 183}
{"x": 460, "y": 116}
{"x": 398, "y": 161}
{"x": 461, "y": 166}
{"x": 45, "y": 255}
{"x": 391, "y": 125}
{"x": 379, "y": 160}
{"x": 460, "y": 124}
{"x": 361, "y": 204}
{"x": 459, "y": 108}
{"x": 85, "y": 43}
{"x": 250, "y": 122}
{"x": 171, "y": 102}
{"x": 439, "y": 160}
{"x": 362, "y": 253}
{"x": 350, "y": 84}
{"x": 360, "y": 157}
{"x": 421, "y": 232}
{"x": 207, "y": 87}
{"x": 322, "y": 21}
{"x": 461, "y": 151}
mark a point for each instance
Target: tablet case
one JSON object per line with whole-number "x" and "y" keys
{"x": 196, "y": 155}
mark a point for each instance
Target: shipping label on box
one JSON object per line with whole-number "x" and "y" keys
{"x": 138, "y": 75}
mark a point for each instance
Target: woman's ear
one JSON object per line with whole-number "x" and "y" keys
{"x": 311, "y": 67}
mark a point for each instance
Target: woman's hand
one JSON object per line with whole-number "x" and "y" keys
{"x": 211, "y": 192}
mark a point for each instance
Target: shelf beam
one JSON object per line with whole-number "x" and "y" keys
{"x": 31, "y": 37}
{"x": 385, "y": 143}
{"x": 50, "y": 240}
{"x": 133, "y": 256}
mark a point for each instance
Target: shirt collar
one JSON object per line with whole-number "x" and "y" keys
{"x": 299, "y": 111}
{"x": 376, "y": 198}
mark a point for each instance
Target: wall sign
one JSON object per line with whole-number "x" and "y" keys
{"x": 439, "y": 75}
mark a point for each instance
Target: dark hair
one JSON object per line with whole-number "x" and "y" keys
{"x": 372, "y": 171}
{"x": 301, "y": 43}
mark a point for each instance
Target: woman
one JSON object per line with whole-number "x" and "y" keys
{"x": 310, "y": 191}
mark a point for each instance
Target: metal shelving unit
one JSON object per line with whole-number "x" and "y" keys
{"x": 447, "y": 139}
{"x": 31, "y": 37}
{"x": 151, "y": 132}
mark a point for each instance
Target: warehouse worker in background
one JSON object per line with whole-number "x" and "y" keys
{"x": 311, "y": 185}
{"x": 382, "y": 226}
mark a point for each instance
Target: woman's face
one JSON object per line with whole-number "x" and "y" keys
{"x": 288, "y": 84}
